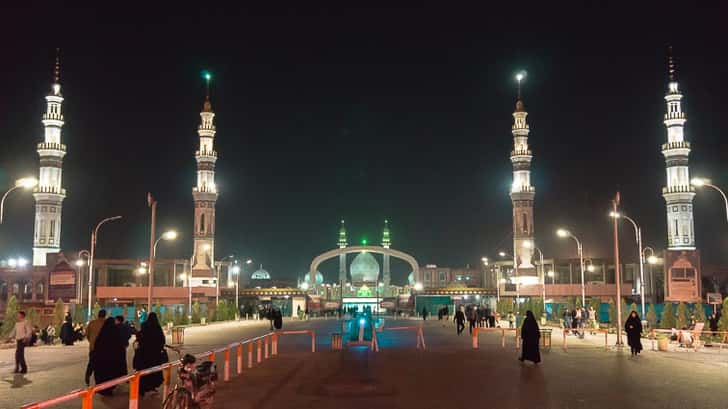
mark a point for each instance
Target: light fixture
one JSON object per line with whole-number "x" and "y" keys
{"x": 183, "y": 276}
{"x": 249, "y": 261}
{"x": 615, "y": 215}
{"x": 418, "y": 287}
{"x": 591, "y": 268}
{"x": 27, "y": 183}
{"x": 235, "y": 270}
{"x": 551, "y": 273}
{"x": 652, "y": 259}
{"x": 502, "y": 253}
{"x": 142, "y": 270}
{"x": 304, "y": 286}
{"x": 563, "y": 233}
{"x": 527, "y": 244}
{"x": 12, "y": 262}
{"x": 80, "y": 263}
{"x": 170, "y": 235}
{"x": 206, "y": 247}
{"x": 699, "y": 182}
{"x": 22, "y": 262}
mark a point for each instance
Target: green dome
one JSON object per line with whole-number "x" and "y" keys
{"x": 319, "y": 278}
{"x": 364, "y": 268}
{"x": 260, "y": 275}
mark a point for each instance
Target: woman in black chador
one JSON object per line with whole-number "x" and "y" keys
{"x": 150, "y": 353}
{"x": 68, "y": 335}
{"x": 109, "y": 355}
{"x": 633, "y": 328}
{"x": 530, "y": 334}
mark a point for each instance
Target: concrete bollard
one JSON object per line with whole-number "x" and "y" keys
{"x": 134, "y": 392}
{"x": 267, "y": 341}
{"x": 274, "y": 345}
{"x": 240, "y": 358}
{"x": 503, "y": 338}
{"x": 259, "y": 355}
{"x": 250, "y": 355}
{"x": 313, "y": 341}
{"x": 227, "y": 364}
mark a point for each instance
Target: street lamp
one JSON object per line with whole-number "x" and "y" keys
{"x": 563, "y": 233}
{"x": 528, "y": 244}
{"x": 700, "y": 182}
{"x": 94, "y": 237}
{"x": 80, "y": 263}
{"x": 651, "y": 261}
{"x": 25, "y": 183}
{"x": 515, "y": 268}
{"x": 638, "y": 237}
{"x": 236, "y": 271}
{"x": 167, "y": 236}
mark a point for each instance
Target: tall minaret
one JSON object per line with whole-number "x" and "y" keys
{"x": 678, "y": 193}
{"x": 386, "y": 242}
{"x": 343, "y": 243}
{"x": 49, "y": 193}
{"x": 682, "y": 259}
{"x": 205, "y": 193}
{"x": 522, "y": 193}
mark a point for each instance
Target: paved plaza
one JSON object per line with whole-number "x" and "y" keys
{"x": 448, "y": 374}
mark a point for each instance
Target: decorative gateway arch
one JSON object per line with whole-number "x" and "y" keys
{"x": 359, "y": 249}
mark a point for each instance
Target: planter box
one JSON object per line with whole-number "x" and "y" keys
{"x": 662, "y": 344}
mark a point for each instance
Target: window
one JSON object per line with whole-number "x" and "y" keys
{"x": 442, "y": 276}
{"x": 53, "y": 229}
{"x": 682, "y": 274}
{"x": 525, "y": 223}
{"x": 202, "y": 223}
{"x": 677, "y": 231}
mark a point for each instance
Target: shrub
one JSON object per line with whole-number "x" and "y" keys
{"x": 699, "y": 313}
{"x": 59, "y": 312}
{"x": 11, "y": 312}
{"x": 652, "y": 316}
{"x": 682, "y": 315}
{"x": 612, "y": 313}
{"x": 33, "y": 317}
{"x": 668, "y": 317}
{"x": 723, "y": 322}
{"x": 196, "y": 312}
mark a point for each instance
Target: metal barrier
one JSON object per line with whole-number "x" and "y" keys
{"x": 478, "y": 330}
{"x": 87, "y": 394}
{"x": 419, "y": 335}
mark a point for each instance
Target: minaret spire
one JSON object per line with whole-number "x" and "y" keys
{"x": 386, "y": 243}
{"x": 682, "y": 259}
{"x": 49, "y": 193}
{"x": 57, "y": 68}
{"x": 522, "y": 193}
{"x": 343, "y": 243}
{"x": 205, "y": 192}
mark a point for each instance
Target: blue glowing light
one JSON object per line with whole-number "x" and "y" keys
{"x": 362, "y": 321}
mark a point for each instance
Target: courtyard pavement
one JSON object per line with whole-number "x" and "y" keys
{"x": 448, "y": 374}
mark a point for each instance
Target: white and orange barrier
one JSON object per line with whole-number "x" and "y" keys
{"x": 478, "y": 330}
{"x": 261, "y": 343}
{"x": 417, "y": 329}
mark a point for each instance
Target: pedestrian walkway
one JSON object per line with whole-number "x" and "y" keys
{"x": 451, "y": 374}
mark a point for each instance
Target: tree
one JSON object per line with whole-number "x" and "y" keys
{"x": 95, "y": 310}
{"x": 625, "y": 311}
{"x": 168, "y": 316}
{"x": 578, "y": 302}
{"x": 59, "y": 312}
{"x": 682, "y": 315}
{"x": 652, "y": 316}
{"x": 699, "y": 313}
{"x": 537, "y": 309}
{"x": 196, "y": 312}
{"x": 11, "y": 312}
{"x": 612, "y": 313}
{"x": 570, "y": 302}
{"x": 158, "y": 310}
{"x": 668, "y": 317}
{"x": 722, "y": 323}
{"x": 33, "y": 317}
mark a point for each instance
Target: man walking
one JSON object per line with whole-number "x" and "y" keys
{"x": 22, "y": 333}
{"x": 92, "y": 331}
{"x": 460, "y": 320}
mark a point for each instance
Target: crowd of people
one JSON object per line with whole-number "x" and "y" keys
{"x": 578, "y": 319}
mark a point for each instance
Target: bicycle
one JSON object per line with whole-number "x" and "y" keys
{"x": 195, "y": 388}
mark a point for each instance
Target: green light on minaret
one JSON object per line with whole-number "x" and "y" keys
{"x": 363, "y": 242}
{"x": 206, "y": 75}
{"x": 386, "y": 241}
{"x": 342, "y": 236}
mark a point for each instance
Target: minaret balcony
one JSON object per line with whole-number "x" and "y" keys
{"x": 681, "y": 145}
{"x": 205, "y": 189}
{"x": 52, "y": 116}
{"x": 53, "y": 190}
{"x": 523, "y": 189}
{"x": 521, "y": 152}
{"x": 674, "y": 115}
{"x": 46, "y": 146}
{"x": 678, "y": 189}
{"x": 206, "y": 154}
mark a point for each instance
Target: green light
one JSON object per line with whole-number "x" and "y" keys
{"x": 364, "y": 242}
{"x": 207, "y": 75}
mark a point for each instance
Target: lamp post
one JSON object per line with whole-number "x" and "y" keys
{"x": 638, "y": 238}
{"x": 418, "y": 287}
{"x": 528, "y": 244}
{"x": 617, "y": 275}
{"x": 168, "y": 235}
{"x": 80, "y": 263}
{"x": 94, "y": 236}
{"x": 700, "y": 182}
{"x": 651, "y": 260}
{"x": 25, "y": 183}
{"x": 565, "y": 233}
{"x": 515, "y": 268}
{"x": 152, "y": 203}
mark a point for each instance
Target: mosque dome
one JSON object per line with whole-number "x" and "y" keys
{"x": 411, "y": 279}
{"x": 319, "y": 278}
{"x": 260, "y": 274}
{"x": 364, "y": 268}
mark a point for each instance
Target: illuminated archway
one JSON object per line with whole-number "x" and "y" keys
{"x": 358, "y": 249}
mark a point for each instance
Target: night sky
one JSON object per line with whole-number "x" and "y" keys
{"x": 364, "y": 114}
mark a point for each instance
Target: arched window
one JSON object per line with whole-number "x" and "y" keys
{"x": 202, "y": 223}
{"x": 39, "y": 288}
{"x": 525, "y": 223}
